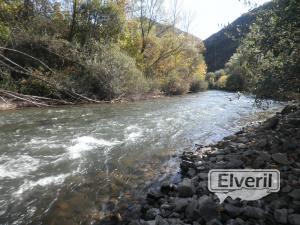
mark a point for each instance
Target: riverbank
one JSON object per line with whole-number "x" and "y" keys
{"x": 274, "y": 144}
{"x": 14, "y": 103}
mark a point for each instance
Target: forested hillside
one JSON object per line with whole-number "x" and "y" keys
{"x": 266, "y": 62}
{"x": 95, "y": 50}
{"x": 221, "y": 45}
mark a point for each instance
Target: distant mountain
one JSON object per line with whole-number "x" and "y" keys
{"x": 221, "y": 45}
{"x": 162, "y": 28}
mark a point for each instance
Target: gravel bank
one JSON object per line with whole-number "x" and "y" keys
{"x": 274, "y": 144}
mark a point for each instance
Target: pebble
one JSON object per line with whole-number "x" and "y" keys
{"x": 269, "y": 145}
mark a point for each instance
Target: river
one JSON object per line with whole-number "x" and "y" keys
{"x": 66, "y": 164}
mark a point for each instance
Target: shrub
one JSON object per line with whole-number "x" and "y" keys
{"x": 198, "y": 84}
{"x": 236, "y": 82}
{"x": 221, "y": 82}
{"x": 211, "y": 79}
{"x": 153, "y": 85}
{"x": 175, "y": 85}
{"x": 111, "y": 75}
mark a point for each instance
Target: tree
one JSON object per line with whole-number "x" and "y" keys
{"x": 269, "y": 54}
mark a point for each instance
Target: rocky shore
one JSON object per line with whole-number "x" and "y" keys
{"x": 273, "y": 144}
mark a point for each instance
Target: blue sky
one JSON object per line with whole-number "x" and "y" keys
{"x": 209, "y": 16}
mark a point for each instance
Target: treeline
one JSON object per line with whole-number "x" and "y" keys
{"x": 97, "y": 49}
{"x": 267, "y": 60}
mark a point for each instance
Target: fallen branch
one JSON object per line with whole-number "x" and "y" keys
{"x": 17, "y": 96}
{"x": 25, "y": 71}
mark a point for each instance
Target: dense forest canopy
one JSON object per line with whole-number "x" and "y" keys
{"x": 102, "y": 50}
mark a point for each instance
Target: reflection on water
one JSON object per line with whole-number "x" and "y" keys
{"x": 62, "y": 165}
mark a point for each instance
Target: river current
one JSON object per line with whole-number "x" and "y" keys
{"x": 61, "y": 165}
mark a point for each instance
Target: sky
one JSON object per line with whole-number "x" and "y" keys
{"x": 209, "y": 16}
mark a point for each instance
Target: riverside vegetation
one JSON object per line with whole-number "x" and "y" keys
{"x": 266, "y": 61}
{"x": 75, "y": 51}
{"x": 85, "y": 51}
{"x": 72, "y": 51}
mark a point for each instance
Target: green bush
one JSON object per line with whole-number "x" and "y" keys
{"x": 236, "y": 82}
{"x": 175, "y": 85}
{"x": 198, "y": 84}
{"x": 112, "y": 74}
{"x": 211, "y": 79}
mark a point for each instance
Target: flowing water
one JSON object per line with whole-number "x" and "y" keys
{"x": 64, "y": 165}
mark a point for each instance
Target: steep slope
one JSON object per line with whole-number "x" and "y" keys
{"x": 221, "y": 45}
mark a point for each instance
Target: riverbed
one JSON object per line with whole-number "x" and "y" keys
{"x": 64, "y": 165}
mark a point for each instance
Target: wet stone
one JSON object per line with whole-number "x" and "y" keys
{"x": 281, "y": 215}
{"x": 286, "y": 189}
{"x": 151, "y": 214}
{"x": 232, "y": 210}
{"x": 214, "y": 222}
{"x": 294, "y": 219}
{"x": 160, "y": 221}
{"x": 207, "y": 208}
{"x": 190, "y": 210}
{"x": 181, "y": 204}
{"x": 253, "y": 212}
{"x": 295, "y": 194}
{"x": 281, "y": 158}
{"x": 186, "y": 188}
{"x": 234, "y": 164}
{"x": 167, "y": 187}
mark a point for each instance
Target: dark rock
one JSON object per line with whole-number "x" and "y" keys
{"x": 258, "y": 163}
{"x": 174, "y": 215}
{"x": 232, "y": 210}
{"x": 135, "y": 222}
{"x": 271, "y": 123}
{"x": 288, "y": 109}
{"x": 234, "y": 164}
{"x": 160, "y": 221}
{"x": 181, "y": 204}
{"x": 186, "y": 188}
{"x": 191, "y": 172}
{"x": 154, "y": 195}
{"x": 190, "y": 210}
{"x": 294, "y": 219}
{"x": 203, "y": 176}
{"x": 295, "y": 194}
{"x": 281, "y": 158}
{"x": 152, "y": 213}
{"x": 174, "y": 221}
{"x": 281, "y": 215}
{"x": 152, "y": 222}
{"x": 207, "y": 208}
{"x": 167, "y": 187}
{"x": 278, "y": 203}
{"x": 214, "y": 222}
{"x": 296, "y": 171}
{"x": 166, "y": 206}
{"x": 185, "y": 165}
{"x": 253, "y": 212}
{"x": 264, "y": 156}
{"x": 237, "y": 221}
{"x": 286, "y": 189}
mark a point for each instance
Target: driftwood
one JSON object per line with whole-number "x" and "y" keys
{"x": 38, "y": 100}
{"x": 10, "y": 96}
